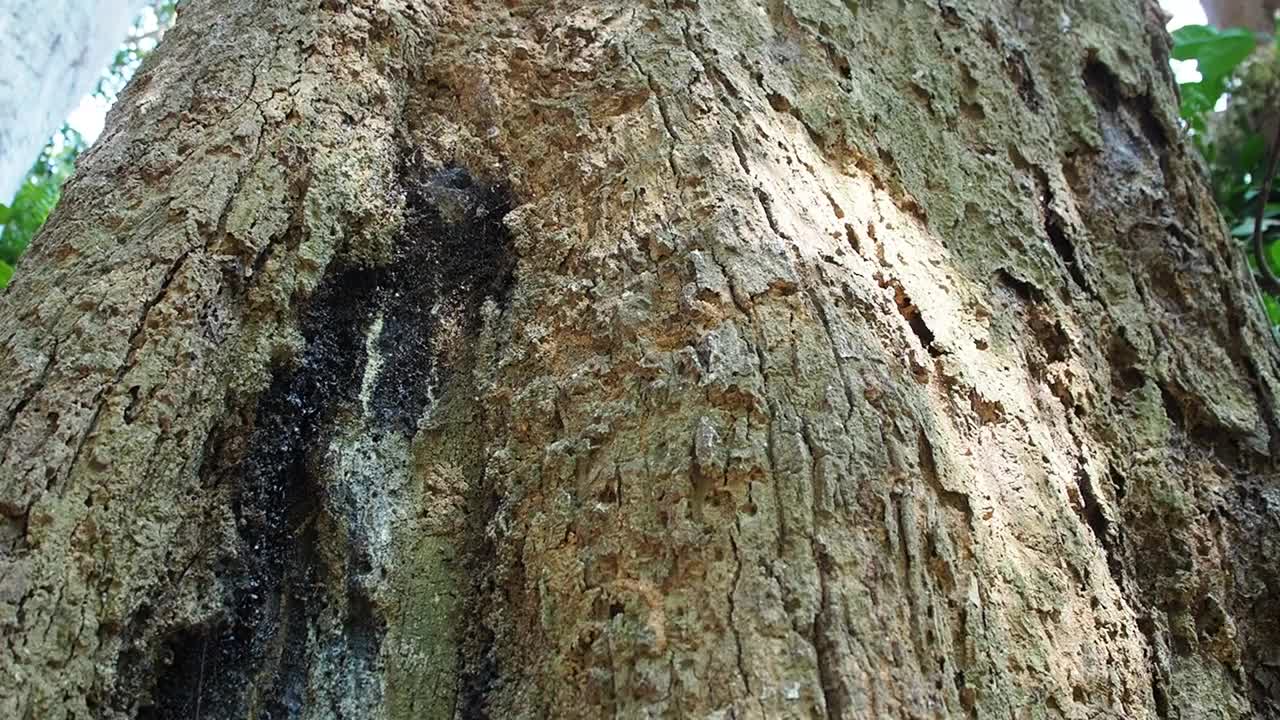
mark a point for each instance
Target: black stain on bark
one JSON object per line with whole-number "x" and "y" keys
{"x": 257, "y": 657}
{"x": 271, "y": 586}
{"x": 459, "y": 257}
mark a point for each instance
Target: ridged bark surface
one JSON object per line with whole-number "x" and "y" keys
{"x": 732, "y": 359}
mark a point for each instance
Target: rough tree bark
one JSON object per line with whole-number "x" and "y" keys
{"x": 420, "y": 358}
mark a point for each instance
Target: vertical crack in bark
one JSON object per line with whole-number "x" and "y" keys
{"x": 766, "y": 205}
{"x": 910, "y": 312}
{"x": 1056, "y": 232}
{"x": 829, "y": 675}
{"x": 663, "y": 114}
{"x": 302, "y": 596}
{"x": 478, "y": 669}
{"x": 32, "y": 389}
{"x": 1016, "y": 66}
{"x": 827, "y": 622}
{"x": 733, "y": 614}
{"x": 1095, "y": 518}
{"x": 126, "y": 363}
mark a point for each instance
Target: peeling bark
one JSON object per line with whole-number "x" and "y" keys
{"x": 797, "y": 359}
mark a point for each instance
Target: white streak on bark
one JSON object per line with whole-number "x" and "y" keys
{"x": 373, "y": 363}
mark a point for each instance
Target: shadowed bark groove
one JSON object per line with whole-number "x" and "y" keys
{"x": 712, "y": 359}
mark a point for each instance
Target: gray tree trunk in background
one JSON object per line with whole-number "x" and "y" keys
{"x": 1256, "y": 15}
{"x": 51, "y": 54}
{"x": 721, "y": 359}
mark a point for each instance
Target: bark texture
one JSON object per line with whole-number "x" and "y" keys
{"x": 793, "y": 358}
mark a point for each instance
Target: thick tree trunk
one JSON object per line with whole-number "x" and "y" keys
{"x": 417, "y": 358}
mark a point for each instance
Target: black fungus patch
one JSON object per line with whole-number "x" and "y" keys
{"x": 458, "y": 254}
{"x": 453, "y": 255}
{"x": 271, "y": 585}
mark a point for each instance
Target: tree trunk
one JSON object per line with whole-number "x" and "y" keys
{"x": 1256, "y": 15}
{"x": 52, "y": 54}
{"x": 419, "y": 358}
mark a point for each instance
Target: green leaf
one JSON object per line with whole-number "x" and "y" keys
{"x": 1273, "y": 308}
{"x": 1251, "y": 152}
{"x": 1273, "y": 257}
{"x": 30, "y": 208}
{"x": 1244, "y": 229}
{"x": 1198, "y": 99}
{"x": 1216, "y": 52}
{"x": 6, "y": 272}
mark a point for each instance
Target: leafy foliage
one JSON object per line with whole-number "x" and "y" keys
{"x": 35, "y": 199}
{"x": 1233, "y": 74}
{"x": 1217, "y": 54}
